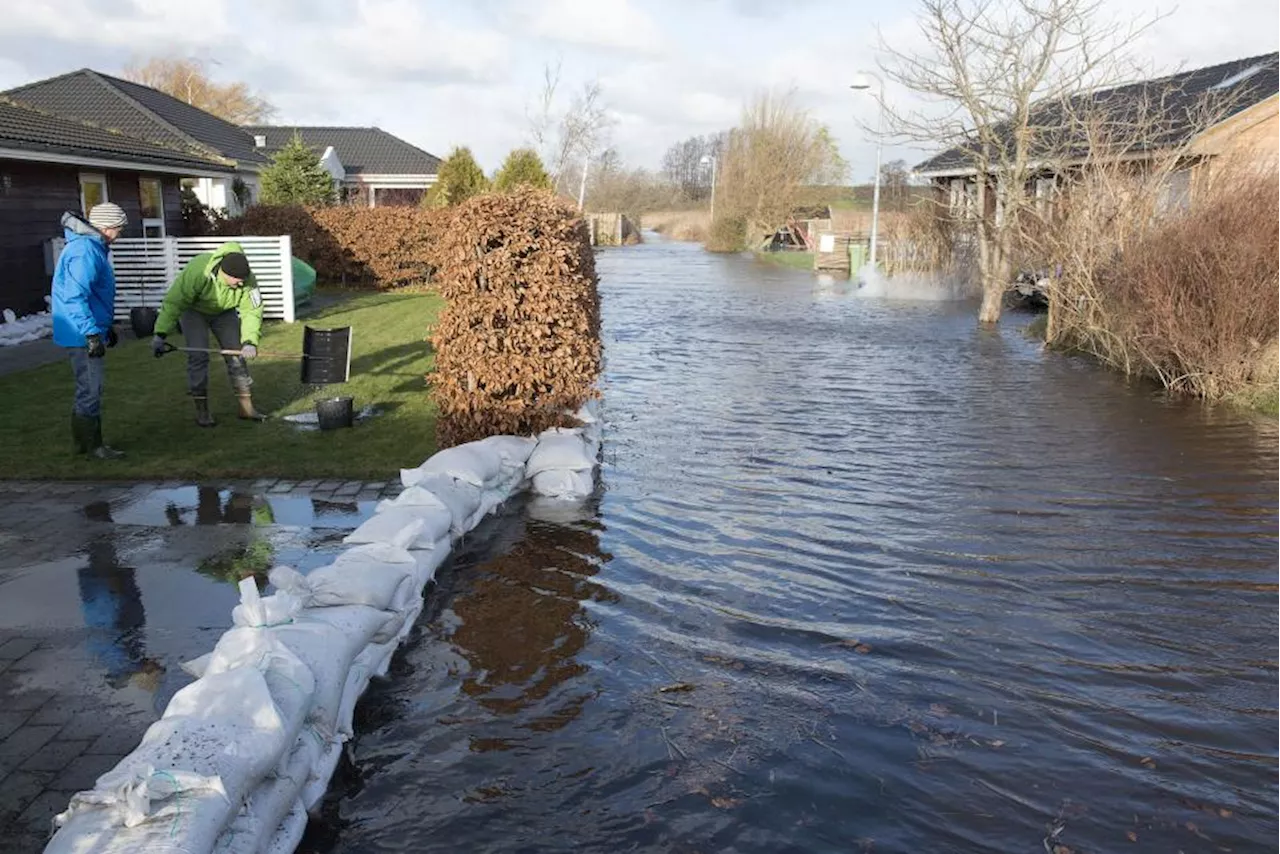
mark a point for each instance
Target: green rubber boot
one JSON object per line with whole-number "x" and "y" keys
{"x": 81, "y": 434}
{"x": 98, "y": 450}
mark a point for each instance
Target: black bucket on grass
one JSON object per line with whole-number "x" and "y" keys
{"x": 334, "y": 413}
{"x": 143, "y": 321}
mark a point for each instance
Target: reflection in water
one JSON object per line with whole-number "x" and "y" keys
{"x": 112, "y": 606}
{"x": 522, "y": 624}
{"x": 241, "y": 508}
{"x": 253, "y": 558}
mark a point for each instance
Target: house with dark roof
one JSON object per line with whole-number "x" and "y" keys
{"x": 1203, "y": 117}
{"x": 51, "y": 163}
{"x": 369, "y": 165}
{"x": 149, "y": 114}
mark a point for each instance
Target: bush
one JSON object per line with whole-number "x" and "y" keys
{"x": 522, "y": 168}
{"x": 518, "y": 345}
{"x": 728, "y": 234}
{"x": 380, "y": 248}
{"x": 1189, "y": 300}
{"x": 460, "y": 177}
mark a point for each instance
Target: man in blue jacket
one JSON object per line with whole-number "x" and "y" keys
{"x": 84, "y": 302}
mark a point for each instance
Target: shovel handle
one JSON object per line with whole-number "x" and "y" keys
{"x": 170, "y": 348}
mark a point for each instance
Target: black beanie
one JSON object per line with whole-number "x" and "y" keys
{"x": 235, "y": 265}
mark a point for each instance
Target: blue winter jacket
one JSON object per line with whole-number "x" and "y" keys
{"x": 84, "y": 285}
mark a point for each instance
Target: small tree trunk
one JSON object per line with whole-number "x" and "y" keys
{"x": 992, "y": 301}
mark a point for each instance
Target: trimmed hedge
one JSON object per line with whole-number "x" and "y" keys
{"x": 518, "y": 345}
{"x": 375, "y": 248}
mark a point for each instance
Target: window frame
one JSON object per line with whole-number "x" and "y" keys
{"x": 93, "y": 178}
{"x": 150, "y": 224}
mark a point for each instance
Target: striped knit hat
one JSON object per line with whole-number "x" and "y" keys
{"x": 107, "y": 215}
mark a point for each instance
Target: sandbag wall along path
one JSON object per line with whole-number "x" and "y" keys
{"x": 242, "y": 754}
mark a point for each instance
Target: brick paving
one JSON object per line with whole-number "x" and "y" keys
{"x": 99, "y": 605}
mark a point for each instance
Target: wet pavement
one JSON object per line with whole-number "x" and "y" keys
{"x": 105, "y": 589}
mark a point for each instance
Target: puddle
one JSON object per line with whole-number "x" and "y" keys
{"x": 311, "y": 421}
{"x": 210, "y": 505}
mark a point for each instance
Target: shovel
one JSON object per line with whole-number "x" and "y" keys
{"x": 170, "y": 348}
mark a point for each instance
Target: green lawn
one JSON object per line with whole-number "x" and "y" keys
{"x": 147, "y": 414}
{"x": 795, "y": 260}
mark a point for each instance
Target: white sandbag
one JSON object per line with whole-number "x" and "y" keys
{"x": 289, "y": 679}
{"x": 385, "y": 586}
{"x": 513, "y": 450}
{"x": 559, "y": 448}
{"x": 291, "y": 831}
{"x": 475, "y": 463}
{"x": 399, "y": 528}
{"x": 267, "y": 807}
{"x": 459, "y": 498}
{"x": 256, "y": 610}
{"x": 563, "y": 484}
{"x": 314, "y": 789}
{"x": 328, "y": 641}
{"x": 428, "y": 562}
{"x": 185, "y": 781}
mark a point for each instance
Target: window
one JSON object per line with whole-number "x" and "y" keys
{"x": 964, "y": 198}
{"x": 151, "y": 199}
{"x": 1046, "y": 189}
{"x": 93, "y": 190}
{"x": 1175, "y": 193}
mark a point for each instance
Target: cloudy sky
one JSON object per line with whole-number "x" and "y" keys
{"x": 459, "y": 72}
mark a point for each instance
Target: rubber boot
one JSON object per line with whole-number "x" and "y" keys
{"x": 100, "y": 451}
{"x": 81, "y": 434}
{"x": 247, "y": 412}
{"x": 203, "y": 418}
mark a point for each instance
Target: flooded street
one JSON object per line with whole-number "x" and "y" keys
{"x": 859, "y": 577}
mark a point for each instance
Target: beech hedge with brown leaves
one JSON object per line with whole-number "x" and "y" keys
{"x": 518, "y": 343}
{"x": 374, "y": 248}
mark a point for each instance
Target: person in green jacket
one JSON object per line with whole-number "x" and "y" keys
{"x": 215, "y": 291}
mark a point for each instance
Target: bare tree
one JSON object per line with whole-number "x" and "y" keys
{"x": 683, "y": 165}
{"x": 188, "y": 80}
{"x": 566, "y": 139}
{"x": 777, "y": 151}
{"x": 997, "y": 68}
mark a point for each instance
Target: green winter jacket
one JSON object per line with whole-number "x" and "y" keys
{"x": 199, "y": 287}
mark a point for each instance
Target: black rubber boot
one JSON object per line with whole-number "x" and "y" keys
{"x": 203, "y": 418}
{"x": 81, "y": 434}
{"x": 100, "y": 451}
{"x": 247, "y": 412}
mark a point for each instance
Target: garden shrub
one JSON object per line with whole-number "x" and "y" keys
{"x": 518, "y": 344}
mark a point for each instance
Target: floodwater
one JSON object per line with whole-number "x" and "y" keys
{"x": 859, "y": 576}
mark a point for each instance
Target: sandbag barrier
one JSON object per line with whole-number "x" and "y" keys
{"x": 242, "y": 754}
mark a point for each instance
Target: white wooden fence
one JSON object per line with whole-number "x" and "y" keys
{"x": 145, "y": 267}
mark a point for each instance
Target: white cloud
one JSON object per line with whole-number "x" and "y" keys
{"x": 601, "y": 24}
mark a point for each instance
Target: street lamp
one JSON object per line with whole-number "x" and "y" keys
{"x": 875, "y": 198}
{"x": 710, "y": 160}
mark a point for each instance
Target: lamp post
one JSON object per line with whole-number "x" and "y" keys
{"x": 582, "y": 186}
{"x": 710, "y": 159}
{"x": 875, "y": 197}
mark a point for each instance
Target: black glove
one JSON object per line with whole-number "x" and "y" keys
{"x": 96, "y": 350}
{"x": 158, "y": 346}
{"x": 113, "y": 338}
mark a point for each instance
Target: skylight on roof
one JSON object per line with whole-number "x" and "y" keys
{"x": 1239, "y": 76}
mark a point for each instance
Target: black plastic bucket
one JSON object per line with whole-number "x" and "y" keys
{"x": 143, "y": 321}
{"x": 334, "y": 413}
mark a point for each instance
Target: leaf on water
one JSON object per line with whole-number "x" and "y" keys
{"x": 997, "y": 744}
{"x": 725, "y": 803}
{"x": 1147, "y": 762}
{"x": 1225, "y": 813}
{"x": 939, "y": 709}
{"x": 1132, "y": 837}
{"x": 677, "y": 687}
{"x": 862, "y": 649}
